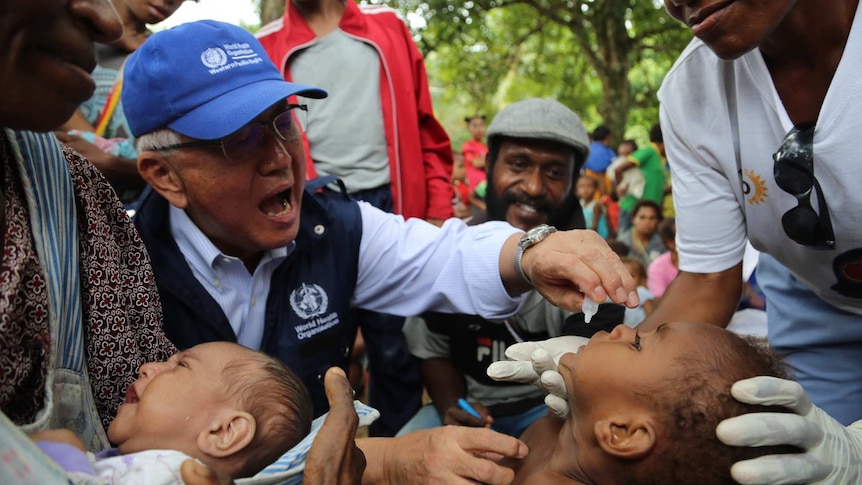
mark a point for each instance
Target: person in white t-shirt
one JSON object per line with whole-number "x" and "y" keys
{"x": 760, "y": 116}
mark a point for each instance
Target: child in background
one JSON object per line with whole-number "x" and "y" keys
{"x": 475, "y": 150}
{"x": 665, "y": 267}
{"x": 626, "y": 148}
{"x": 234, "y": 409}
{"x": 611, "y": 200}
{"x": 477, "y": 197}
{"x": 461, "y": 186}
{"x": 634, "y": 316}
{"x": 629, "y": 182}
{"x": 644, "y": 408}
{"x": 594, "y": 211}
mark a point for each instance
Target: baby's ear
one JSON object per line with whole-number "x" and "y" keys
{"x": 628, "y": 437}
{"x": 227, "y": 434}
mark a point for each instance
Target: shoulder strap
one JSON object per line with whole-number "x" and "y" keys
{"x": 318, "y": 183}
{"x": 54, "y": 223}
{"x": 111, "y": 103}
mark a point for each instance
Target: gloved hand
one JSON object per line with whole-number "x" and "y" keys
{"x": 536, "y": 363}
{"x": 833, "y": 453}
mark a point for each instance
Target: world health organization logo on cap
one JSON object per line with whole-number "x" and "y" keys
{"x": 214, "y": 57}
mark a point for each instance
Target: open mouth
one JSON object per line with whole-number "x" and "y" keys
{"x": 278, "y": 205}
{"x": 131, "y": 395}
{"x": 526, "y": 207}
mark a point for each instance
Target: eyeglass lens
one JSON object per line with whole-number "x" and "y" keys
{"x": 802, "y": 225}
{"x": 248, "y": 139}
{"x": 794, "y": 161}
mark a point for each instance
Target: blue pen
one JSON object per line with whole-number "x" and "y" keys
{"x": 463, "y": 404}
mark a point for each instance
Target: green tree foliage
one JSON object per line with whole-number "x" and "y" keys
{"x": 603, "y": 58}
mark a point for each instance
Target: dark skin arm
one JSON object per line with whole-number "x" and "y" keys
{"x": 698, "y": 297}
{"x": 446, "y": 385}
{"x": 77, "y": 122}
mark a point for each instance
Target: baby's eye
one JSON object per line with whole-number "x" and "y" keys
{"x": 637, "y": 342}
{"x": 182, "y": 363}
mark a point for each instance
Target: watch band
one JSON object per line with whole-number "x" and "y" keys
{"x": 529, "y": 239}
{"x": 518, "y": 256}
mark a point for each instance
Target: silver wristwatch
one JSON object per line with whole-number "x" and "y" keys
{"x": 531, "y": 238}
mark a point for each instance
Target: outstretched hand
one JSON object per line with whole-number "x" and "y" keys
{"x": 833, "y": 453}
{"x": 570, "y": 264}
{"x": 334, "y": 458}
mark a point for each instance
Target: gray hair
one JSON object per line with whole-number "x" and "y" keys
{"x": 158, "y": 139}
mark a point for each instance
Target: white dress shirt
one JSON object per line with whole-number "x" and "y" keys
{"x": 405, "y": 268}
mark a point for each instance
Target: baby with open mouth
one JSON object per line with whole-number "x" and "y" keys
{"x": 232, "y": 408}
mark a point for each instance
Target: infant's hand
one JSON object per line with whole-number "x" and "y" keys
{"x": 58, "y": 436}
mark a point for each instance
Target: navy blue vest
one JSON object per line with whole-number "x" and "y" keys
{"x": 309, "y": 324}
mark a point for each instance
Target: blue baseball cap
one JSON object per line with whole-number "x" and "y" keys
{"x": 204, "y": 79}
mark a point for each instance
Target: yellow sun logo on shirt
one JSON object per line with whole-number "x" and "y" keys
{"x": 756, "y": 188}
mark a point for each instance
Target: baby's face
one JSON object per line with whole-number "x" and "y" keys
{"x": 172, "y": 402}
{"x": 605, "y": 374}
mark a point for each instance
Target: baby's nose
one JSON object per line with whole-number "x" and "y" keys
{"x": 621, "y": 331}
{"x": 151, "y": 369}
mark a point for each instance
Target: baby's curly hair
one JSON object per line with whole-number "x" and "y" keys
{"x": 693, "y": 403}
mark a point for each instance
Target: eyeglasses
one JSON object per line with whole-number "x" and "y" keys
{"x": 246, "y": 141}
{"x": 794, "y": 174}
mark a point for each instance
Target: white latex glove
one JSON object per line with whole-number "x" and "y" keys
{"x": 833, "y": 453}
{"x": 536, "y": 363}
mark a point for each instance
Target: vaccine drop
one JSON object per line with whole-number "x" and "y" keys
{"x": 590, "y": 308}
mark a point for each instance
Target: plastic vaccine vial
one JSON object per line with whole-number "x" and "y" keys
{"x": 590, "y": 308}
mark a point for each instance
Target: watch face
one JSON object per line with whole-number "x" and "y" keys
{"x": 535, "y": 235}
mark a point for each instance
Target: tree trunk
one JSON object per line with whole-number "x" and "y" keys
{"x": 611, "y": 59}
{"x": 271, "y": 10}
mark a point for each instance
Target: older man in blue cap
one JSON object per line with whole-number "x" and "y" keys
{"x": 245, "y": 250}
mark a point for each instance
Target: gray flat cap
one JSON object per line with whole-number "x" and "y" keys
{"x": 542, "y": 119}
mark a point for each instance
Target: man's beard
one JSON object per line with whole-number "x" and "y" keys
{"x": 562, "y": 216}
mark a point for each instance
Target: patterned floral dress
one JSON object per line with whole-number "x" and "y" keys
{"x": 121, "y": 313}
